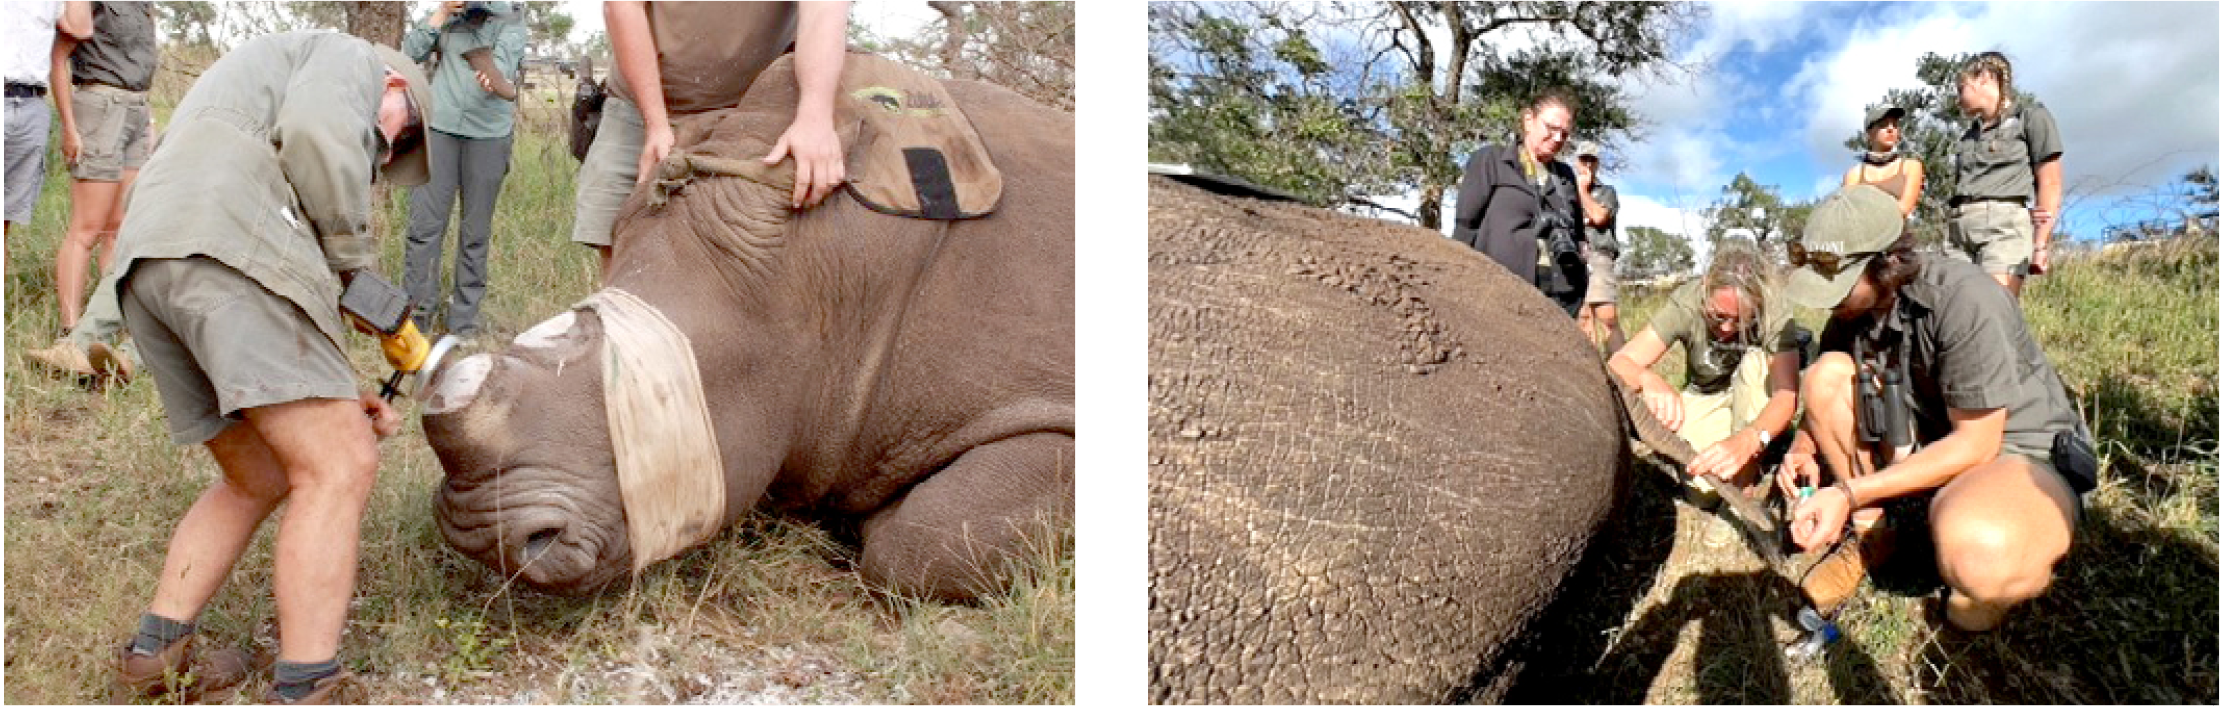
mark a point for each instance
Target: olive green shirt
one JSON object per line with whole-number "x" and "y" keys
{"x": 1712, "y": 363}
{"x": 122, "y": 51}
{"x": 460, "y": 106}
{"x": 266, "y": 167}
{"x": 2001, "y": 161}
{"x": 1605, "y": 239}
{"x": 1969, "y": 349}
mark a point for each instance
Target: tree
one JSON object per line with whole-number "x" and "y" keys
{"x": 547, "y": 27}
{"x": 1755, "y": 212}
{"x": 1027, "y": 47}
{"x": 1340, "y": 102}
{"x": 1930, "y": 131}
{"x": 1650, "y": 253}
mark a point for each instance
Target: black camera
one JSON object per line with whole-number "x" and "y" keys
{"x": 476, "y": 12}
{"x": 1557, "y": 232}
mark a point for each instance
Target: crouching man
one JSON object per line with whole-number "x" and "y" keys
{"x": 244, "y": 226}
{"x": 1998, "y": 450}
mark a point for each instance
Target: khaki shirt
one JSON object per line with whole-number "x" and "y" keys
{"x": 266, "y": 167}
{"x": 1604, "y": 239}
{"x": 708, "y": 53}
{"x": 2001, "y": 161}
{"x": 1970, "y": 349}
{"x": 121, "y": 52}
{"x": 1712, "y": 363}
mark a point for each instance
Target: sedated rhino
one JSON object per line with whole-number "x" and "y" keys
{"x": 907, "y": 380}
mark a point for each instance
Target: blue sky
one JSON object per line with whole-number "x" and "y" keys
{"x": 1779, "y": 85}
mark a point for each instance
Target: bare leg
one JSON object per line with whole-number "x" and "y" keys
{"x": 1828, "y": 396}
{"x": 106, "y": 242}
{"x": 2000, "y": 530}
{"x": 90, "y": 203}
{"x": 213, "y": 534}
{"x": 1610, "y": 314}
{"x": 330, "y": 458}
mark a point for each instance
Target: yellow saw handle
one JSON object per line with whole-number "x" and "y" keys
{"x": 407, "y": 349}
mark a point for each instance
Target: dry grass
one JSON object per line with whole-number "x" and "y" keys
{"x": 766, "y": 614}
{"x": 1657, "y": 614}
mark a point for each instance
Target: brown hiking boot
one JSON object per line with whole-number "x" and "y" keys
{"x": 109, "y": 362}
{"x": 1837, "y": 573}
{"x": 175, "y": 670}
{"x": 336, "y": 689}
{"x": 64, "y": 356}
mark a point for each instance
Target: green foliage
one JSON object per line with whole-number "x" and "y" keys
{"x": 471, "y": 651}
{"x": 1337, "y": 103}
{"x": 1755, "y": 212}
{"x": 1650, "y": 252}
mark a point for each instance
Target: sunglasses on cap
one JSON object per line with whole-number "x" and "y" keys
{"x": 1829, "y": 265}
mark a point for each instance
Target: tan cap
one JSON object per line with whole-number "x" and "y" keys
{"x": 1586, "y": 148}
{"x": 412, "y": 168}
{"x": 1853, "y": 225}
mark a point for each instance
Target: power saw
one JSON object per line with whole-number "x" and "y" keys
{"x": 372, "y": 302}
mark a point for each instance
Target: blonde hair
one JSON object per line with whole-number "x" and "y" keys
{"x": 1742, "y": 268}
{"x": 1992, "y": 64}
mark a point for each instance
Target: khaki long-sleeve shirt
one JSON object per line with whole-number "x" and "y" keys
{"x": 267, "y": 167}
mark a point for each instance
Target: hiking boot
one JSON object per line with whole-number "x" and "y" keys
{"x": 109, "y": 362}
{"x": 336, "y": 689}
{"x": 66, "y": 357}
{"x": 1836, "y": 574}
{"x": 176, "y": 670}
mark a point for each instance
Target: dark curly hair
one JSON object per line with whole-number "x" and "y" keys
{"x": 1895, "y": 266}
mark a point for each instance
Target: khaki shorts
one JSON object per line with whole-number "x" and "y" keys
{"x": 112, "y": 128}
{"x": 1997, "y": 235}
{"x": 218, "y": 342}
{"x": 609, "y": 173}
{"x": 1604, "y": 287}
{"x": 1709, "y": 418}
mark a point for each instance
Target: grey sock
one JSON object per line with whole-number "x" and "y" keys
{"x": 157, "y": 632}
{"x": 297, "y": 679}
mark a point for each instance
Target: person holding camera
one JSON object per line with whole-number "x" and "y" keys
{"x": 1995, "y": 444}
{"x": 2008, "y": 155}
{"x": 1600, "y": 204}
{"x": 1516, "y": 203}
{"x": 481, "y": 46}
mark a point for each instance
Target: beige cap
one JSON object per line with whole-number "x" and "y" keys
{"x": 1853, "y": 224}
{"x": 412, "y": 168}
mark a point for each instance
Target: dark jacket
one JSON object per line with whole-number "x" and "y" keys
{"x": 1500, "y": 213}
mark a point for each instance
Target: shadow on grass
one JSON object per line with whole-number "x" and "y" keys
{"x": 2131, "y": 618}
{"x": 1580, "y": 652}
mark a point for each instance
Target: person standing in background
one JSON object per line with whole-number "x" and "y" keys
{"x": 29, "y": 61}
{"x": 481, "y": 46}
{"x": 2009, "y": 152}
{"x": 1600, "y": 207}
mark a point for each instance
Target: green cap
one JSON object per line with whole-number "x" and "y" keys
{"x": 1854, "y": 221}
{"x": 1878, "y": 114}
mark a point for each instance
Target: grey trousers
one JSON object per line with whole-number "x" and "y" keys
{"x": 476, "y": 167}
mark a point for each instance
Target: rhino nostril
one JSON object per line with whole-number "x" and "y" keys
{"x": 539, "y": 541}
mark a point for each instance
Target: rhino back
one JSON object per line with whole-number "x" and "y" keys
{"x": 985, "y": 349}
{"x": 1373, "y": 455}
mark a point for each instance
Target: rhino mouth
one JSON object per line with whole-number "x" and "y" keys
{"x": 528, "y": 523}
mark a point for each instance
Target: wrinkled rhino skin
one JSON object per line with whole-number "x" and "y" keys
{"x": 1373, "y": 457}
{"x": 926, "y": 414}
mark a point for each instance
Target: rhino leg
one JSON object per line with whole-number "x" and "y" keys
{"x": 958, "y": 534}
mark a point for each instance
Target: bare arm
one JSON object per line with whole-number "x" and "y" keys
{"x": 1632, "y": 364}
{"x": 1593, "y": 213}
{"x": 1914, "y": 177}
{"x": 2049, "y": 177}
{"x": 1974, "y": 441}
{"x": 634, "y": 47}
{"x": 821, "y": 41}
{"x": 76, "y": 20}
{"x": 58, "y": 83}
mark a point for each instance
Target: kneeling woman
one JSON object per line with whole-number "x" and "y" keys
{"x": 1742, "y": 375}
{"x": 1990, "y": 416}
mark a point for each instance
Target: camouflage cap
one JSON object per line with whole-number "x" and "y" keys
{"x": 1849, "y": 227}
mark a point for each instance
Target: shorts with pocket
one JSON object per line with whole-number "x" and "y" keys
{"x": 112, "y": 131}
{"x": 218, "y": 342}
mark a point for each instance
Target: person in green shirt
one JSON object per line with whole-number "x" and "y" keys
{"x": 1741, "y": 381}
{"x": 480, "y": 46}
{"x": 1999, "y": 450}
{"x": 2010, "y": 178}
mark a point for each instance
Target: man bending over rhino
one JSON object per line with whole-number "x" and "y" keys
{"x": 244, "y": 226}
{"x": 683, "y": 58}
